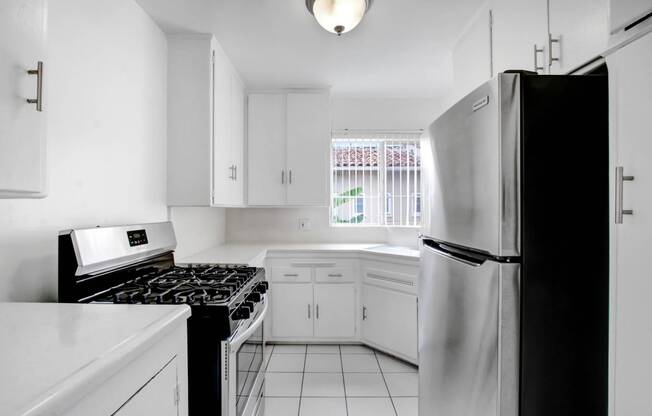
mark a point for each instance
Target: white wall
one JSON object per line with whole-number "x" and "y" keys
{"x": 197, "y": 228}
{"x": 281, "y": 224}
{"x": 106, "y": 108}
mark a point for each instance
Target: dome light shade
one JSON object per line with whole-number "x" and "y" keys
{"x": 338, "y": 16}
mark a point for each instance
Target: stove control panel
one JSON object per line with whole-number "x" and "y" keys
{"x": 137, "y": 237}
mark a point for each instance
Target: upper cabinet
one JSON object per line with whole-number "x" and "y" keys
{"x": 288, "y": 147}
{"x": 578, "y": 33}
{"x": 520, "y": 35}
{"x": 206, "y": 109}
{"x": 624, "y": 13}
{"x": 22, "y": 110}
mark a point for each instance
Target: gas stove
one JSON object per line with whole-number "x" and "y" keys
{"x": 135, "y": 264}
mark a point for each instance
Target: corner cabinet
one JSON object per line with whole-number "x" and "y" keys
{"x": 288, "y": 148}
{"x": 206, "y": 116}
{"x": 23, "y": 36}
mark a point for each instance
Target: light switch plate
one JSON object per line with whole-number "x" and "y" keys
{"x": 304, "y": 224}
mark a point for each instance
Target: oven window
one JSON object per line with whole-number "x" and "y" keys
{"x": 250, "y": 361}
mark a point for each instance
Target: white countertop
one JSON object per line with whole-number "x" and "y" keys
{"x": 51, "y": 353}
{"x": 254, "y": 254}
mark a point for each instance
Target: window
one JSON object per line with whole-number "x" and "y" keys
{"x": 376, "y": 179}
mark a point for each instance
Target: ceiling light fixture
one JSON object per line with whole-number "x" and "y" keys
{"x": 338, "y": 16}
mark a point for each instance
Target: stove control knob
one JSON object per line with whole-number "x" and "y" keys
{"x": 262, "y": 287}
{"x": 241, "y": 313}
{"x": 254, "y": 297}
{"x": 248, "y": 305}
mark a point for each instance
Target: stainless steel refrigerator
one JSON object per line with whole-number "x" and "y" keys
{"x": 514, "y": 287}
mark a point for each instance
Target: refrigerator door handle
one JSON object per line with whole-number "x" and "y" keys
{"x": 453, "y": 253}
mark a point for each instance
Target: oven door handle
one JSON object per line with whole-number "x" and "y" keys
{"x": 235, "y": 343}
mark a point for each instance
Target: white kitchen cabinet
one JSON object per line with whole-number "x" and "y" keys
{"x": 623, "y": 13}
{"x": 205, "y": 124}
{"x": 389, "y": 321}
{"x": 158, "y": 397}
{"x": 334, "y": 310}
{"x": 520, "y": 35}
{"x": 578, "y": 33}
{"x": 631, "y": 241}
{"x": 472, "y": 54}
{"x": 308, "y": 136}
{"x": 288, "y": 139}
{"x": 23, "y": 36}
{"x": 292, "y": 310}
{"x": 266, "y": 149}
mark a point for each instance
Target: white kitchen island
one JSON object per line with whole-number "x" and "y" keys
{"x": 92, "y": 359}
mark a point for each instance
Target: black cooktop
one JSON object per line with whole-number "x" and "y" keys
{"x": 193, "y": 284}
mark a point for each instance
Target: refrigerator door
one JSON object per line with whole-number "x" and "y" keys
{"x": 468, "y": 334}
{"x": 475, "y": 150}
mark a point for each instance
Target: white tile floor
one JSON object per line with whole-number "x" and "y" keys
{"x": 338, "y": 380}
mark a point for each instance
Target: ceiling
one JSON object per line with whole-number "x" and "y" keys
{"x": 401, "y": 48}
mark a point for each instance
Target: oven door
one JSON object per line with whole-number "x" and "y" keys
{"x": 243, "y": 376}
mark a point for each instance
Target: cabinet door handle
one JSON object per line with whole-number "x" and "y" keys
{"x": 290, "y": 177}
{"x": 364, "y": 313}
{"x": 620, "y": 179}
{"x": 39, "y": 86}
{"x": 317, "y": 312}
{"x": 232, "y": 175}
{"x": 283, "y": 177}
{"x": 308, "y": 311}
{"x": 537, "y": 51}
{"x": 551, "y": 58}
{"x": 235, "y": 172}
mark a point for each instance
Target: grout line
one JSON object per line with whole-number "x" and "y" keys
{"x": 346, "y": 402}
{"x": 391, "y": 399}
{"x": 303, "y": 377}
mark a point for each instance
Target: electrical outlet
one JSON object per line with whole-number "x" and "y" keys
{"x": 304, "y": 224}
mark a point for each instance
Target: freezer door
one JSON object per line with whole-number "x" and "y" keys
{"x": 474, "y": 200}
{"x": 468, "y": 334}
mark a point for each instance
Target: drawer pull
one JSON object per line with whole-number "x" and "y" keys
{"x": 313, "y": 264}
{"x": 335, "y": 275}
{"x": 390, "y": 279}
{"x": 291, "y": 275}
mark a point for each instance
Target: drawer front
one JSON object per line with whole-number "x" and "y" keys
{"x": 335, "y": 274}
{"x": 291, "y": 274}
{"x": 390, "y": 279}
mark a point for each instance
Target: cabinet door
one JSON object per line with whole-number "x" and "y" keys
{"x": 22, "y": 128}
{"x": 335, "y": 310}
{"x": 308, "y": 134}
{"x": 520, "y": 26}
{"x": 472, "y": 55}
{"x": 236, "y": 194}
{"x": 631, "y": 121}
{"x": 222, "y": 162}
{"x": 581, "y": 26}
{"x": 292, "y": 310}
{"x": 156, "y": 398}
{"x": 266, "y": 175}
{"x": 625, "y": 12}
{"x": 390, "y": 320}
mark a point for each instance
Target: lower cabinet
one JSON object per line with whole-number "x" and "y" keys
{"x": 334, "y": 310}
{"x": 302, "y": 311}
{"x": 150, "y": 399}
{"x": 389, "y": 320}
{"x": 292, "y": 310}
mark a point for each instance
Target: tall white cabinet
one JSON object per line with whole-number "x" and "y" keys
{"x": 206, "y": 116}
{"x": 288, "y": 147}
{"x": 631, "y": 241}
{"x": 23, "y": 36}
